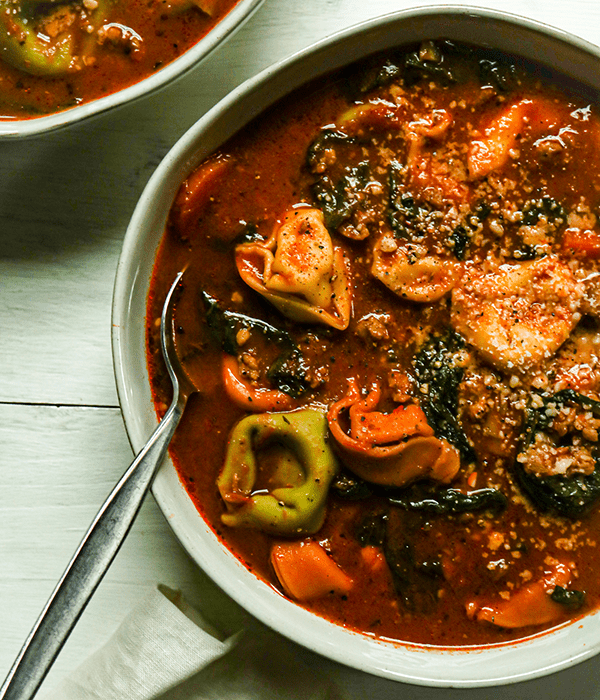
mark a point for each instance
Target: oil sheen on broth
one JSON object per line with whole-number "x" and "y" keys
{"x": 391, "y": 306}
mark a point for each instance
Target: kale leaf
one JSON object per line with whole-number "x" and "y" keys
{"x": 326, "y": 139}
{"x": 439, "y": 375}
{"x": 288, "y": 373}
{"x": 225, "y": 324}
{"x": 351, "y": 487}
{"x": 414, "y": 581}
{"x": 339, "y": 199}
{"x": 544, "y": 207}
{"x": 573, "y": 600}
{"x": 499, "y": 74}
{"x": 401, "y": 210}
{"x": 459, "y": 239}
{"x": 371, "y": 530}
{"x": 417, "y": 67}
{"x": 370, "y": 75}
{"x": 453, "y": 501}
{"x": 571, "y": 496}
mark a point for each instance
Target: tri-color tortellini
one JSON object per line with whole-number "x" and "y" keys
{"x": 518, "y": 313}
{"x": 400, "y": 274}
{"x": 41, "y": 37}
{"x": 299, "y": 270}
{"x": 389, "y": 449}
{"x": 292, "y": 455}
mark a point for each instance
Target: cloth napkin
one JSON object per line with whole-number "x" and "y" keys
{"x": 165, "y": 650}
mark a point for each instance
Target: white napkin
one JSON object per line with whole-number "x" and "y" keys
{"x": 164, "y": 650}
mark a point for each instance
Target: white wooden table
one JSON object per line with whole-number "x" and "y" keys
{"x": 65, "y": 201}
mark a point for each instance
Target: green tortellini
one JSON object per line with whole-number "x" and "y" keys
{"x": 287, "y": 494}
{"x": 25, "y": 44}
{"x": 21, "y": 46}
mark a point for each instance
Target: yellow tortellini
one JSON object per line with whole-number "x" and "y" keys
{"x": 411, "y": 272}
{"x": 300, "y": 271}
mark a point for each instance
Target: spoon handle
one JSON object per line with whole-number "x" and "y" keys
{"x": 88, "y": 565}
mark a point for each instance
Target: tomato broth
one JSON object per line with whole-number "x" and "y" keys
{"x": 391, "y": 309}
{"x": 54, "y": 56}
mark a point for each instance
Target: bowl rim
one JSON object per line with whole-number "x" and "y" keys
{"x": 457, "y": 667}
{"x": 168, "y": 75}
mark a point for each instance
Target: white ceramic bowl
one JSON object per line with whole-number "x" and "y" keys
{"x": 16, "y": 128}
{"x": 453, "y": 667}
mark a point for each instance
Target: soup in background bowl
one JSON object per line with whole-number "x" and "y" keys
{"x": 390, "y": 310}
{"x": 61, "y": 62}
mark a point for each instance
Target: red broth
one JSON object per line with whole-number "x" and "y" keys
{"x": 105, "y": 47}
{"x": 391, "y": 309}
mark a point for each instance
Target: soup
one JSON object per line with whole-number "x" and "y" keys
{"x": 391, "y": 309}
{"x": 57, "y": 55}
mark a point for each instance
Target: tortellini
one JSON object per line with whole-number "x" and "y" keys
{"x": 525, "y": 119}
{"x": 411, "y": 272}
{"x": 44, "y": 42}
{"x": 533, "y": 604}
{"x": 301, "y": 468}
{"x": 493, "y": 150}
{"x": 391, "y": 449}
{"x": 519, "y": 313}
{"x": 23, "y": 48}
{"x": 248, "y": 397}
{"x": 300, "y": 271}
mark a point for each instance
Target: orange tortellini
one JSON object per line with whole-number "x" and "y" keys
{"x": 389, "y": 449}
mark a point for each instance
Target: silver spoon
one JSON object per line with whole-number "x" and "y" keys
{"x": 105, "y": 535}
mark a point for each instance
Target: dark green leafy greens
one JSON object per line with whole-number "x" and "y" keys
{"x": 571, "y": 496}
{"x": 535, "y": 210}
{"x": 574, "y": 495}
{"x": 402, "y": 210}
{"x": 428, "y": 64}
{"x": 225, "y": 324}
{"x": 288, "y": 372}
{"x": 573, "y": 600}
{"x": 371, "y": 74}
{"x": 422, "y": 496}
{"x": 438, "y": 373}
{"x": 327, "y": 139}
{"x": 351, "y": 487}
{"x": 497, "y": 73}
{"x": 338, "y": 199}
{"x": 460, "y": 237}
{"x": 453, "y": 501}
{"x": 482, "y": 211}
{"x": 546, "y": 207}
{"x": 459, "y": 241}
{"x": 416, "y": 580}
{"x": 371, "y": 531}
